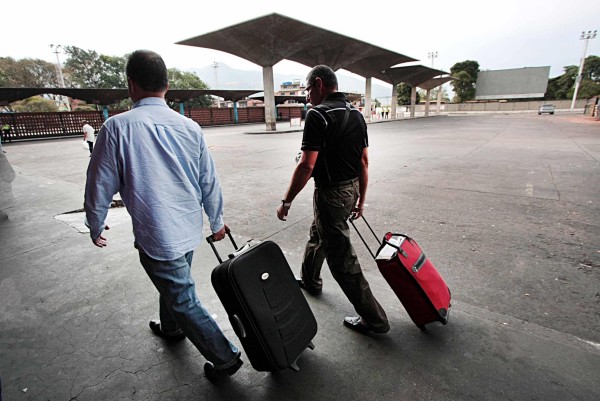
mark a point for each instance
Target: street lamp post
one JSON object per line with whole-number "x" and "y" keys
{"x": 432, "y": 56}
{"x": 216, "y": 66}
{"x": 59, "y": 74}
{"x": 584, "y": 36}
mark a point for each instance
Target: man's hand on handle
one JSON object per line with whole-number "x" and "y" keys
{"x": 219, "y": 235}
{"x": 357, "y": 212}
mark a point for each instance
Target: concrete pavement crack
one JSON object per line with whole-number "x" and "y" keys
{"x": 554, "y": 182}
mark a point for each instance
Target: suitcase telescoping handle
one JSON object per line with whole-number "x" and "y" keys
{"x": 361, "y": 237}
{"x": 377, "y": 238}
{"x": 211, "y": 241}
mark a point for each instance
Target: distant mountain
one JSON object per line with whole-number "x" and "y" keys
{"x": 231, "y": 78}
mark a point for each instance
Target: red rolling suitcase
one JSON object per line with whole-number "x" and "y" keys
{"x": 265, "y": 305}
{"x": 412, "y": 276}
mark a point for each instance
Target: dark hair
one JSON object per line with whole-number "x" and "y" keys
{"x": 326, "y": 74}
{"x": 148, "y": 70}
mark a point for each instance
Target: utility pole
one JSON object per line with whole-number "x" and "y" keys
{"x": 59, "y": 74}
{"x": 215, "y": 66}
{"x": 584, "y": 36}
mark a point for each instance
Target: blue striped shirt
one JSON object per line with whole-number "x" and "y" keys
{"x": 159, "y": 162}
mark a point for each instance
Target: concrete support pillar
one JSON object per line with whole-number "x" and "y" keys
{"x": 439, "y": 100}
{"x": 367, "y": 113}
{"x": 394, "y": 101}
{"x": 269, "y": 86}
{"x": 235, "y": 112}
{"x": 413, "y": 100}
{"x": 428, "y": 93}
{"x": 181, "y": 109}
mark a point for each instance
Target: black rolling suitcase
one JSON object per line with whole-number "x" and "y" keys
{"x": 265, "y": 305}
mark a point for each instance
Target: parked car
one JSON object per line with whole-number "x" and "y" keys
{"x": 546, "y": 108}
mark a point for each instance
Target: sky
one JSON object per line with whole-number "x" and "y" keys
{"x": 498, "y": 35}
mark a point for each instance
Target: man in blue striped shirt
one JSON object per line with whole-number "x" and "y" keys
{"x": 159, "y": 162}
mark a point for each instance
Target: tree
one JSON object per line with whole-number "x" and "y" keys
{"x": 189, "y": 80}
{"x": 434, "y": 94}
{"x": 34, "y": 104}
{"x": 563, "y": 86}
{"x": 465, "y": 73}
{"x": 88, "y": 69}
{"x": 588, "y": 89}
{"x": 591, "y": 70}
{"x": 404, "y": 92}
{"x": 82, "y": 68}
{"x": 377, "y": 103}
{"x": 27, "y": 73}
{"x": 113, "y": 75}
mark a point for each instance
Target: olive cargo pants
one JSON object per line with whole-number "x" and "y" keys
{"x": 330, "y": 240}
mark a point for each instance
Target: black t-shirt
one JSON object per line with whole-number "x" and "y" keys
{"x": 340, "y": 152}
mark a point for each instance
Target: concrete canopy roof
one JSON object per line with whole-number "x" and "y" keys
{"x": 110, "y": 96}
{"x": 271, "y": 38}
{"x": 412, "y": 75}
{"x": 280, "y": 99}
{"x": 182, "y": 95}
{"x": 434, "y": 82}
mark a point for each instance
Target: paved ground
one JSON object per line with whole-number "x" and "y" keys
{"x": 506, "y": 206}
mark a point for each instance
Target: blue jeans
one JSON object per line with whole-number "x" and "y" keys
{"x": 180, "y": 308}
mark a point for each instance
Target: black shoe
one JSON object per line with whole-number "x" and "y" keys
{"x": 169, "y": 337}
{"x": 213, "y": 374}
{"x": 357, "y": 324}
{"x": 310, "y": 290}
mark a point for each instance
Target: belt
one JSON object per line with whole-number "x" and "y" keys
{"x": 336, "y": 184}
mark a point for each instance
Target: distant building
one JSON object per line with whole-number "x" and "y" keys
{"x": 516, "y": 83}
{"x": 294, "y": 88}
{"x": 291, "y": 89}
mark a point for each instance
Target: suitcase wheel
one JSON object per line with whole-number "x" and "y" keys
{"x": 422, "y": 327}
{"x": 310, "y": 345}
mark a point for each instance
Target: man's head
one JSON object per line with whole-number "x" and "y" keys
{"x": 85, "y": 122}
{"x": 320, "y": 82}
{"x": 146, "y": 75}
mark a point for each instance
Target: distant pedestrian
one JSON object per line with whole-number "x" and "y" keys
{"x": 89, "y": 135}
{"x": 5, "y": 135}
{"x": 387, "y": 113}
{"x": 159, "y": 162}
{"x": 7, "y": 176}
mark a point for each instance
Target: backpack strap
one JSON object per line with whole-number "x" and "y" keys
{"x": 341, "y": 130}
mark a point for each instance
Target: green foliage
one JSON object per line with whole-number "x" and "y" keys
{"x": 27, "y": 73}
{"x": 88, "y": 69}
{"x": 588, "y": 89}
{"x": 465, "y": 73}
{"x": 34, "y": 104}
{"x": 189, "y": 80}
{"x": 377, "y": 103}
{"x": 404, "y": 92}
{"x": 563, "y": 86}
{"x": 112, "y": 75}
{"x": 591, "y": 69}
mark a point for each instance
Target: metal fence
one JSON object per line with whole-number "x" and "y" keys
{"x": 26, "y": 126}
